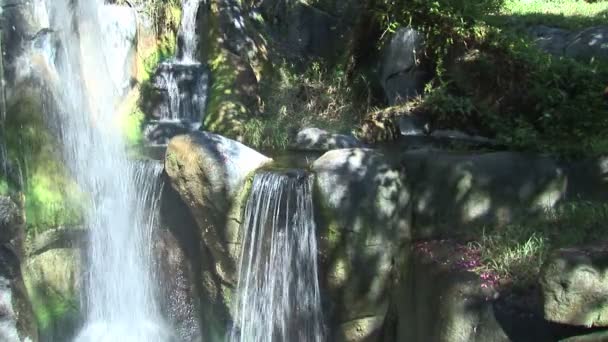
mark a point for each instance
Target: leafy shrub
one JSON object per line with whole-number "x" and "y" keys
{"x": 315, "y": 97}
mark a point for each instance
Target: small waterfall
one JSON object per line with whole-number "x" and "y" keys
{"x": 119, "y": 296}
{"x": 181, "y": 84}
{"x": 187, "y": 30}
{"x": 278, "y": 297}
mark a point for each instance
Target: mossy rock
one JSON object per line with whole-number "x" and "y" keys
{"x": 51, "y": 197}
{"x": 52, "y": 280}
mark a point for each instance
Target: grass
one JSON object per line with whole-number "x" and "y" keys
{"x": 315, "y": 98}
{"x": 516, "y": 252}
{"x": 569, "y": 14}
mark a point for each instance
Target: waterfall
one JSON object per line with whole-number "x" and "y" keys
{"x": 187, "y": 30}
{"x": 182, "y": 84}
{"x": 278, "y": 297}
{"x": 119, "y": 296}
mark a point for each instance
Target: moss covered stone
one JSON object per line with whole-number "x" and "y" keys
{"x": 52, "y": 280}
{"x": 35, "y": 167}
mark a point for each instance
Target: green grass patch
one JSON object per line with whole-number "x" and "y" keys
{"x": 570, "y": 14}
{"x": 516, "y": 252}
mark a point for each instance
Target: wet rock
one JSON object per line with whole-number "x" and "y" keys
{"x": 315, "y": 139}
{"x": 574, "y": 283}
{"x": 177, "y": 285}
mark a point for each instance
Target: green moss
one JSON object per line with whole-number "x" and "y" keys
{"x": 51, "y": 197}
{"x": 50, "y": 308}
{"x": 225, "y": 113}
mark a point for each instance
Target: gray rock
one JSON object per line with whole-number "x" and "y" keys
{"x": 440, "y": 301}
{"x": 313, "y": 32}
{"x": 365, "y": 208}
{"x": 589, "y": 43}
{"x": 315, "y": 139}
{"x": 209, "y": 172}
{"x": 401, "y": 77}
{"x": 454, "y": 191}
{"x": 574, "y": 285}
{"x": 550, "y": 39}
{"x": 583, "y": 45}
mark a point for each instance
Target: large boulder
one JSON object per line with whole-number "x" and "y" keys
{"x": 401, "y": 75}
{"x": 209, "y": 171}
{"x": 583, "y": 45}
{"x": 440, "y": 300}
{"x": 17, "y": 321}
{"x": 574, "y": 284}
{"x": 455, "y": 191}
{"x": 363, "y": 205}
{"x": 210, "y": 175}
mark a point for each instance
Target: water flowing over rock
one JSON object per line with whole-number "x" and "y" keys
{"x": 120, "y": 300}
{"x": 179, "y": 96}
{"x": 278, "y": 296}
{"x": 187, "y": 30}
{"x": 119, "y": 25}
{"x": 401, "y": 76}
{"x": 179, "y": 101}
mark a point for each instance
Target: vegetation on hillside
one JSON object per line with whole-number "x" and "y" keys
{"x": 492, "y": 80}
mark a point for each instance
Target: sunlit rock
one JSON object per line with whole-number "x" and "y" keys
{"x": 575, "y": 286}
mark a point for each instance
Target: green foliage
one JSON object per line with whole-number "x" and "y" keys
{"x": 493, "y": 81}
{"x": 317, "y": 97}
{"x": 570, "y": 14}
{"x": 516, "y": 252}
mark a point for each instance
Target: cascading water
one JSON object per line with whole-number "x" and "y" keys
{"x": 187, "y": 30}
{"x": 182, "y": 85}
{"x": 278, "y": 296}
{"x": 119, "y": 294}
